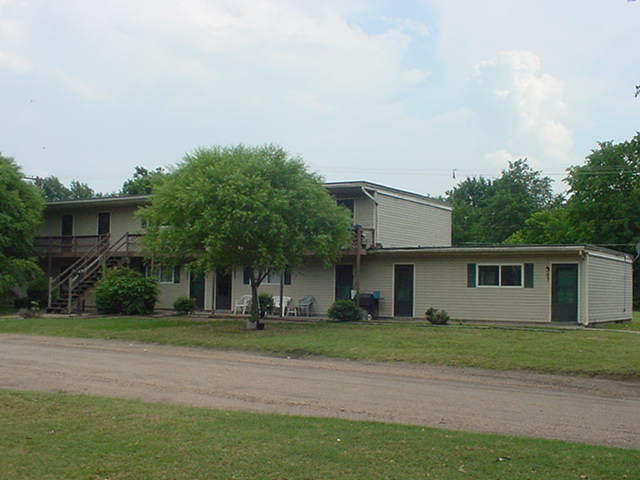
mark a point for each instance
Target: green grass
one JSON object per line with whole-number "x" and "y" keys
{"x": 60, "y": 436}
{"x": 634, "y": 325}
{"x": 545, "y": 349}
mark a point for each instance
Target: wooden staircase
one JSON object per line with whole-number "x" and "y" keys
{"x": 67, "y": 291}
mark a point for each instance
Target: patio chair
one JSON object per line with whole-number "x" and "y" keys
{"x": 242, "y": 305}
{"x": 305, "y": 304}
{"x": 286, "y": 302}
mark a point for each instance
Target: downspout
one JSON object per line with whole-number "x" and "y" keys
{"x": 585, "y": 257}
{"x": 375, "y": 215}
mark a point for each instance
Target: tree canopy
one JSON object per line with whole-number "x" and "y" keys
{"x": 52, "y": 189}
{"x": 486, "y": 211}
{"x": 20, "y": 216}
{"x": 143, "y": 181}
{"x": 255, "y": 207}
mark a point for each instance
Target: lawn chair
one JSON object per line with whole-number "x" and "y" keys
{"x": 242, "y": 305}
{"x": 305, "y": 305}
{"x": 276, "y": 305}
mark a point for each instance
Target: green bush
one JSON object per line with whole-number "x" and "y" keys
{"x": 345, "y": 311}
{"x": 125, "y": 291}
{"x": 185, "y": 305}
{"x": 266, "y": 304}
{"x": 437, "y": 317}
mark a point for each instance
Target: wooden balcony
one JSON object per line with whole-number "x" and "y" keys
{"x": 79, "y": 245}
{"x": 363, "y": 240}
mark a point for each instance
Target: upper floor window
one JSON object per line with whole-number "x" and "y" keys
{"x": 349, "y": 204}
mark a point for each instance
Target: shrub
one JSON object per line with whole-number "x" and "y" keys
{"x": 266, "y": 304}
{"x": 185, "y": 305}
{"x": 345, "y": 311}
{"x": 437, "y": 317}
{"x": 125, "y": 291}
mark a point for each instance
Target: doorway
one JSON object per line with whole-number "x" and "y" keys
{"x": 564, "y": 292}
{"x": 344, "y": 282}
{"x": 196, "y": 289}
{"x": 104, "y": 223}
{"x": 223, "y": 291}
{"x": 403, "y": 291}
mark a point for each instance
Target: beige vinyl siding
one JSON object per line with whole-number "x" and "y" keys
{"x": 85, "y": 221}
{"x": 409, "y": 223}
{"x": 311, "y": 279}
{"x": 609, "y": 286}
{"x": 169, "y": 292}
{"x": 441, "y": 282}
{"x": 365, "y": 212}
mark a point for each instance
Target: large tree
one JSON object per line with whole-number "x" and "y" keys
{"x": 486, "y": 211}
{"x": 143, "y": 181}
{"x": 255, "y": 207}
{"x": 20, "y": 216}
{"x": 52, "y": 189}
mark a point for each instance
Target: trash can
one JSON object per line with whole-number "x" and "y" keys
{"x": 369, "y": 303}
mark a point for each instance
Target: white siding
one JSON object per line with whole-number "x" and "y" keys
{"x": 407, "y": 223}
{"x": 609, "y": 284}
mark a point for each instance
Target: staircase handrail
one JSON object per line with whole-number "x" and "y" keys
{"x": 88, "y": 263}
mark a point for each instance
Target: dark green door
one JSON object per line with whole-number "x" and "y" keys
{"x": 564, "y": 292}
{"x": 403, "y": 291}
{"x": 344, "y": 281}
{"x": 196, "y": 289}
{"x": 104, "y": 223}
{"x": 223, "y": 291}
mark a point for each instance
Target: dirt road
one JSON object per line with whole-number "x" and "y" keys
{"x": 597, "y": 411}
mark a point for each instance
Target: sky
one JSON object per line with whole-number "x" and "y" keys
{"x": 413, "y": 94}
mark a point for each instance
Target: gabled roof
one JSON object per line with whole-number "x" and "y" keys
{"x": 353, "y": 187}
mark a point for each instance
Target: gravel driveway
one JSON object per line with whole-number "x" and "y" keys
{"x": 598, "y": 411}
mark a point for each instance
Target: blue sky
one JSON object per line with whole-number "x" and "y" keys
{"x": 395, "y": 92}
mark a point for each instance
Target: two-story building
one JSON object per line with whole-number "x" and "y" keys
{"x": 402, "y": 254}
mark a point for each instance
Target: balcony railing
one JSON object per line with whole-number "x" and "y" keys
{"x": 78, "y": 245}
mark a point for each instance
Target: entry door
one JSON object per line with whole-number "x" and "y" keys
{"x": 196, "y": 289}
{"x": 344, "y": 282}
{"x": 403, "y": 291}
{"x": 104, "y": 223}
{"x": 223, "y": 291}
{"x": 564, "y": 292}
{"x": 66, "y": 232}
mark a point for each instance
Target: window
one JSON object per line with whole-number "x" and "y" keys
{"x": 499, "y": 276}
{"x": 349, "y": 204}
{"x": 165, "y": 274}
{"x": 272, "y": 278}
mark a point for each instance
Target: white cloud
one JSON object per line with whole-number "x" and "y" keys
{"x": 538, "y": 100}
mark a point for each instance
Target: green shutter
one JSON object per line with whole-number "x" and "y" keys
{"x": 246, "y": 276}
{"x": 471, "y": 275}
{"x": 528, "y": 275}
{"x": 287, "y": 277}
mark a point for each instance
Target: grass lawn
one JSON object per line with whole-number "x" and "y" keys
{"x": 54, "y": 436}
{"x": 546, "y": 349}
{"x": 633, "y": 325}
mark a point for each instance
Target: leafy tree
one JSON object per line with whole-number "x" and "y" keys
{"x": 469, "y": 200}
{"x": 143, "y": 181}
{"x": 486, "y": 211}
{"x": 254, "y": 207}
{"x": 20, "y": 216}
{"x": 547, "y": 227}
{"x": 604, "y": 204}
{"x": 52, "y": 189}
{"x": 80, "y": 191}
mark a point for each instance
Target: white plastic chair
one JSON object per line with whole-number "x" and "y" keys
{"x": 242, "y": 305}
{"x": 286, "y": 302}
